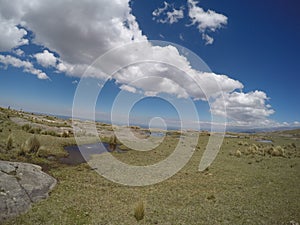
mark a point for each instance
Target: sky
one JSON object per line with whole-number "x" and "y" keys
{"x": 238, "y": 62}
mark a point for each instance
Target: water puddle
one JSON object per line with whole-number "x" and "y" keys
{"x": 76, "y": 156}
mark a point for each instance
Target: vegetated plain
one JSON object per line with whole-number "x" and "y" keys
{"x": 248, "y": 183}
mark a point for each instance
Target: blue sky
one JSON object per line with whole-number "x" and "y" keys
{"x": 252, "y": 48}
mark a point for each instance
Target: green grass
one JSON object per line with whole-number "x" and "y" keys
{"x": 250, "y": 189}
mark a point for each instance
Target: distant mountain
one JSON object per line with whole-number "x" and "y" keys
{"x": 262, "y": 129}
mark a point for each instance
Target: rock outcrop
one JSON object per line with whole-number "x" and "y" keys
{"x": 20, "y": 185}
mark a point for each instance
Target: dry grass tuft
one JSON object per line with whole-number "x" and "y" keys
{"x": 9, "y": 142}
{"x": 139, "y": 211}
{"x": 238, "y": 153}
{"x": 32, "y": 145}
{"x": 253, "y": 149}
{"x": 278, "y": 151}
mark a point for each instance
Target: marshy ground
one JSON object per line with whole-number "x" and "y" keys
{"x": 249, "y": 182}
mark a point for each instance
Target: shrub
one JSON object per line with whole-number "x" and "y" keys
{"x": 139, "y": 211}
{"x": 1, "y": 130}
{"x": 9, "y": 142}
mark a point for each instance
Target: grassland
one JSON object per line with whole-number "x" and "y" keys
{"x": 244, "y": 185}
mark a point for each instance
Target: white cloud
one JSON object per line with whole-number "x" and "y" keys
{"x": 128, "y": 88}
{"x": 19, "y": 52}
{"x": 181, "y": 37}
{"x": 245, "y": 108}
{"x": 205, "y": 20}
{"x": 74, "y": 82}
{"x": 209, "y": 40}
{"x": 61, "y": 67}
{"x": 81, "y": 31}
{"x": 46, "y": 59}
{"x": 159, "y": 11}
{"x": 209, "y": 20}
{"x": 162, "y": 36}
{"x": 8, "y": 60}
{"x": 170, "y": 14}
{"x": 10, "y": 35}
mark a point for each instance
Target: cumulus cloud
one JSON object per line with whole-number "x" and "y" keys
{"x": 246, "y": 108}
{"x": 8, "y": 60}
{"x": 169, "y": 13}
{"x": 11, "y": 35}
{"x": 128, "y": 88}
{"x": 205, "y": 20}
{"x": 19, "y": 52}
{"x": 208, "y": 39}
{"x": 46, "y": 59}
{"x": 159, "y": 11}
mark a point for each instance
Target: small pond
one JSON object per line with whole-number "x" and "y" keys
{"x": 157, "y": 134}
{"x": 264, "y": 141}
{"x": 75, "y": 156}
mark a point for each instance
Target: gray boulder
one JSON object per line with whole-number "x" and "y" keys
{"x": 20, "y": 185}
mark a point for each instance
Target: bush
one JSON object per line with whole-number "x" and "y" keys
{"x": 9, "y": 142}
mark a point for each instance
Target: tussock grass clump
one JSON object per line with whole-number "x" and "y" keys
{"x": 26, "y": 127}
{"x": 43, "y": 152}
{"x": 243, "y": 143}
{"x": 113, "y": 143}
{"x": 31, "y": 145}
{"x": 9, "y": 142}
{"x": 252, "y": 149}
{"x": 278, "y": 151}
{"x": 139, "y": 211}
{"x": 292, "y": 145}
{"x": 65, "y": 134}
{"x": 34, "y": 130}
{"x": 238, "y": 153}
{"x": 51, "y": 133}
